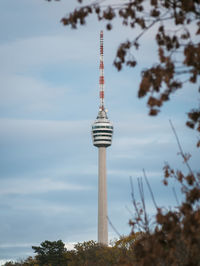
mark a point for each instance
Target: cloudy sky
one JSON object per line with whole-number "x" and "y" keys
{"x": 48, "y": 101}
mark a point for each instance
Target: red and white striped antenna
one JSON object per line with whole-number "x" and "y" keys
{"x": 101, "y": 77}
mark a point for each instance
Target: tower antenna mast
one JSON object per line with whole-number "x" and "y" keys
{"x": 101, "y": 76}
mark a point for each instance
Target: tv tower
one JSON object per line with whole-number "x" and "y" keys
{"x": 102, "y": 131}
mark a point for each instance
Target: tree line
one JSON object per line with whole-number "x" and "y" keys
{"x": 54, "y": 253}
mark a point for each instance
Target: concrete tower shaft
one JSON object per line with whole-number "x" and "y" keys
{"x": 102, "y": 199}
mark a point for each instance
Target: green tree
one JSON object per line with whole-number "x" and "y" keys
{"x": 88, "y": 253}
{"x": 11, "y": 263}
{"x": 51, "y": 253}
{"x": 30, "y": 261}
{"x": 176, "y": 32}
{"x": 91, "y": 253}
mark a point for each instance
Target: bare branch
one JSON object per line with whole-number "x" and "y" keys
{"x": 133, "y": 197}
{"x": 175, "y": 195}
{"x": 185, "y": 158}
{"x": 113, "y": 227}
{"x": 141, "y": 190}
{"x": 150, "y": 190}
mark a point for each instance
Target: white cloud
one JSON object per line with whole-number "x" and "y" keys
{"x": 14, "y": 245}
{"x": 40, "y": 185}
{"x": 133, "y": 173}
{"x": 27, "y": 93}
{"x": 70, "y": 245}
{"x": 2, "y": 262}
{"x": 46, "y": 130}
{"x": 26, "y": 54}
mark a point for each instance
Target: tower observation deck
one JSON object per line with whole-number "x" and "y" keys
{"x": 102, "y": 131}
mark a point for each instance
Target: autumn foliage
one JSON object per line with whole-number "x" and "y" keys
{"x": 175, "y": 237}
{"x": 176, "y": 30}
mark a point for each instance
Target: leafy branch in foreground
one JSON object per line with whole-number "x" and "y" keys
{"x": 175, "y": 237}
{"x": 175, "y": 28}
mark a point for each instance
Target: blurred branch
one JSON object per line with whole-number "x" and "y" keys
{"x": 184, "y": 155}
{"x": 113, "y": 227}
{"x": 175, "y": 195}
{"x": 150, "y": 190}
